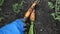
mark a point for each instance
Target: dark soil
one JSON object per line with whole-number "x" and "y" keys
{"x": 7, "y": 11}
{"x": 44, "y": 23}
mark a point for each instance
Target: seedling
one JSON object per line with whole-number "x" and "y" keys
{"x": 17, "y": 7}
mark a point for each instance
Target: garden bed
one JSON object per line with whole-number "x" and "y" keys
{"x": 44, "y": 23}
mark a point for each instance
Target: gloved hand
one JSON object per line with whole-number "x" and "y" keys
{"x": 15, "y": 27}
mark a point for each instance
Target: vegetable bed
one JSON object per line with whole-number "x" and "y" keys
{"x": 44, "y": 22}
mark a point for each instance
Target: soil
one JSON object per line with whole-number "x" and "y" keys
{"x": 44, "y": 23}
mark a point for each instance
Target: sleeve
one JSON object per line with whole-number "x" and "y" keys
{"x": 15, "y": 27}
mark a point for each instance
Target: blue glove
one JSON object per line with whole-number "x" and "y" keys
{"x": 15, "y": 27}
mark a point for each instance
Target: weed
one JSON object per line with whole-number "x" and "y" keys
{"x": 56, "y": 14}
{"x": 1, "y": 3}
{"x": 17, "y": 7}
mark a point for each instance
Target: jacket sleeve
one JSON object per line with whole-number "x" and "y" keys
{"x": 15, "y": 27}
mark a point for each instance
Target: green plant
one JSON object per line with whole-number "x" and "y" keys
{"x": 21, "y": 4}
{"x": 1, "y": 3}
{"x": 17, "y": 7}
{"x": 50, "y": 4}
{"x": 1, "y": 18}
{"x": 56, "y": 14}
{"x": 58, "y": 1}
{"x": 56, "y": 17}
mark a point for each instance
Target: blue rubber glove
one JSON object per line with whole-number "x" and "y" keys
{"x": 15, "y": 27}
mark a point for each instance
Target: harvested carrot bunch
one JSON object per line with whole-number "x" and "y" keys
{"x": 30, "y": 9}
{"x": 32, "y": 18}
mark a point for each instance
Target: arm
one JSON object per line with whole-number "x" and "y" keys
{"x": 16, "y": 27}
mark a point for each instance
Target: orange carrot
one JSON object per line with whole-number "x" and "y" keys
{"x": 32, "y": 17}
{"x": 30, "y": 9}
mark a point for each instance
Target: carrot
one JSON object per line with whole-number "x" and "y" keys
{"x": 30, "y": 9}
{"x": 32, "y": 17}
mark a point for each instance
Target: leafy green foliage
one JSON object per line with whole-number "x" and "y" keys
{"x": 50, "y": 4}
{"x": 58, "y": 18}
{"x": 21, "y": 4}
{"x": 1, "y": 17}
{"x": 58, "y": 1}
{"x": 17, "y": 7}
{"x": 55, "y": 15}
{"x": 1, "y": 2}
